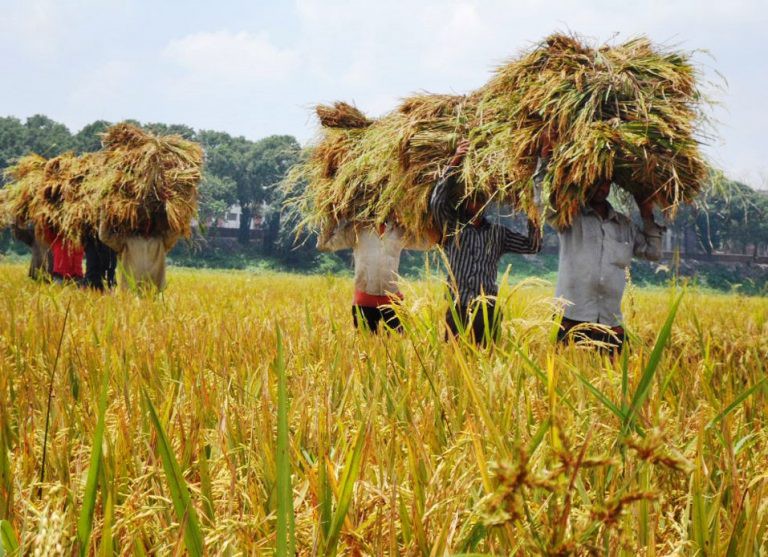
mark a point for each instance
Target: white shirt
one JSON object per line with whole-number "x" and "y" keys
{"x": 376, "y": 256}
{"x": 594, "y": 256}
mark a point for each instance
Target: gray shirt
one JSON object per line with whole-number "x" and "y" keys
{"x": 594, "y": 256}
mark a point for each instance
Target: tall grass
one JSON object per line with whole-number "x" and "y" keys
{"x": 391, "y": 444}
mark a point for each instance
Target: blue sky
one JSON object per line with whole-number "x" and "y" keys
{"x": 255, "y": 68}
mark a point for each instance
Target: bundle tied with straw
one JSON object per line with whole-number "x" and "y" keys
{"x": 150, "y": 183}
{"x": 387, "y": 168}
{"x": 24, "y": 179}
{"x": 64, "y": 203}
{"x": 630, "y": 113}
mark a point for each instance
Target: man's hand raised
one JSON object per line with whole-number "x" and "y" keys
{"x": 461, "y": 152}
{"x": 646, "y": 207}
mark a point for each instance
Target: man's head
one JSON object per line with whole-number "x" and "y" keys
{"x": 600, "y": 192}
{"x": 474, "y": 207}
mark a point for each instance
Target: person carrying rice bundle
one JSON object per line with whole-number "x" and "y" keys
{"x": 25, "y": 178}
{"x": 62, "y": 176}
{"x": 473, "y": 247}
{"x": 149, "y": 201}
{"x": 596, "y": 249}
{"x": 41, "y": 262}
{"x": 376, "y": 253}
{"x": 141, "y": 255}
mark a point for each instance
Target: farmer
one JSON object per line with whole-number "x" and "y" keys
{"x": 67, "y": 258}
{"x": 595, "y": 251}
{"x": 41, "y": 263}
{"x": 100, "y": 263}
{"x": 473, "y": 247}
{"x": 142, "y": 255}
{"x": 376, "y": 252}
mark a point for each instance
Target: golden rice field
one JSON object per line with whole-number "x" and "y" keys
{"x": 240, "y": 414}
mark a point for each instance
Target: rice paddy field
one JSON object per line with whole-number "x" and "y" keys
{"x": 240, "y": 414}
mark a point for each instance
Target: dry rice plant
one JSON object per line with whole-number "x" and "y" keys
{"x": 164, "y": 426}
{"x": 25, "y": 178}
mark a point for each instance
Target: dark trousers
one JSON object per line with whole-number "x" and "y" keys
{"x": 100, "y": 264}
{"x": 372, "y": 318}
{"x": 611, "y": 341}
{"x": 458, "y": 317}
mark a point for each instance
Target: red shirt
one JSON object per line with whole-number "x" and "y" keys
{"x": 67, "y": 259}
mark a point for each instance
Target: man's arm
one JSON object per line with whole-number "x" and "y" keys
{"x": 107, "y": 236}
{"x": 169, "y": 240}
{"x": 444, "y": 215}
{"x": 648, "y": 241}
{"x": 647, "y": 244}
{"x": 23, "y": 234}
{"x": 342, "y": 237}
{"x": 548, "y": 210}
{"x": 514, "y": 242}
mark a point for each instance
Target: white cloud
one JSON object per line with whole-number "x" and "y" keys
{"x": 35, "y": 26}
{"x": 230, "y": 58}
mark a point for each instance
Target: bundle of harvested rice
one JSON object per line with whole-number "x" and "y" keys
{"x": 80, "y": 213}
{"x": 388, "y": 168}
{"x": 630, "y": 113}
{"x": 24, "y": 179}
{"x": 66, "y": 201}
{"x": 150, "y": 182}
{"x": 341, "y": 115}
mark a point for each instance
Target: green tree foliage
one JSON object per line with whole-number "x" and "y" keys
{"x": 46, "y": 137}
{"x": 88, "y": 139}
{"x": 216, "y": 195}
{"x": 730, "y": 216}
{"x": 268, "y": 163}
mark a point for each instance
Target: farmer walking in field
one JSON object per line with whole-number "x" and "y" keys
{"x": 41, "y": 263}
{"x": 595, "y": 252}
{"x": 141, "y": 255}
{"x": 376, "y": 253}
{"x": 473, "y": 247}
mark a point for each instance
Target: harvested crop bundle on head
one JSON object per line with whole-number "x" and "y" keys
{"x": 24, "y": 178}
{"x": 150, "y": 182}
{"x": 63, "y": 177}
{"x": 629, "y": 113}
{"x": 386, "y": 169}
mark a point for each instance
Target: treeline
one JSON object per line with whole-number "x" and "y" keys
{"x": 732, "y": 217}
{"x": 237, "y": 170}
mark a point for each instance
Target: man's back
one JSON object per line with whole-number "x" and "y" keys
{"x": 595, "y": 253}
{"x": 143, "y": 260}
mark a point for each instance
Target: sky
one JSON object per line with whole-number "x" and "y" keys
{"x": 256, "y": 68}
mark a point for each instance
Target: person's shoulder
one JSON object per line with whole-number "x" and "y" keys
{"x": 622, "y": 219}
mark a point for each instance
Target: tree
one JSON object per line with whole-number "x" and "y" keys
{"x": 270, "y": 159}
{"x": 88, "y": 139}
{"x": 46, "y": 137}
{"x": 13, "y": 142}
{"x": 216, "y": 195}
{"x": 183, "y": 130}
{"x": 254, "y": 168}
{"x": 728, "y": 216}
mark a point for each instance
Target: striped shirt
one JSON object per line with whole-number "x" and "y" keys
{"x": 473, "y": 250}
